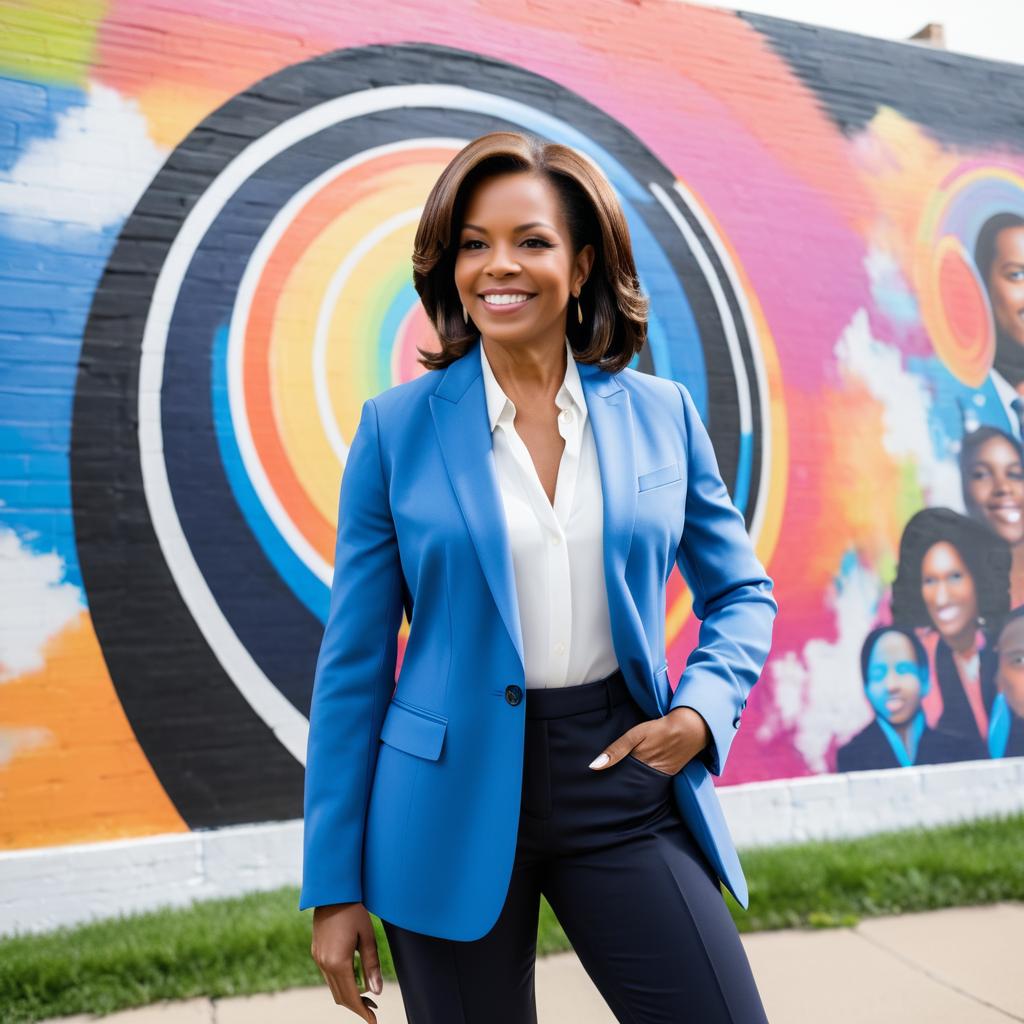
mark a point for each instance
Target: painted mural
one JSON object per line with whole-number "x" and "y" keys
{"x": 206, "y": 223}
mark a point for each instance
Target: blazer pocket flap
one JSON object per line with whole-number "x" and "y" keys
{"x": 656, "y": 477}
{"x": 413, "y": 730}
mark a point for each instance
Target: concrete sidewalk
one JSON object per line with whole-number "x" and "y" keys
{"x": 959, "y": 966}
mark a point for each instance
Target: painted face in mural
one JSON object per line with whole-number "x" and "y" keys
{"x": 1006, "y": 282}
{"x": 1010, "y": 675}
{"x": 895, "y": 680}
{"x": 995, "y": 486}
{"x": 514, "y": 237}
{"x": 948, "y": 591}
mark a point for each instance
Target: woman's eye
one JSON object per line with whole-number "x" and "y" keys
{"x": 544, "y": 244}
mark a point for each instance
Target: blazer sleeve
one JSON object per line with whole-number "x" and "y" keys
{"x": 354, "y": 677}
{"x": 732, "y": 596}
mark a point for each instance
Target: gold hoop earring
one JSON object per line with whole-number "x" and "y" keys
{"x": 579, "y": 310}
{"x": 465, "y": 316}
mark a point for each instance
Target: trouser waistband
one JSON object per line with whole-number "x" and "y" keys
{"x": 558, "y": 701}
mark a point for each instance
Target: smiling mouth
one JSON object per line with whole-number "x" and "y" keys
{"x": 1010, "y": 514}
{"x": 506, "y": 301}
{"x": 947, "y": 614}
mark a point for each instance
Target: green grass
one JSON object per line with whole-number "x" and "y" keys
{"x": 826, "y": 884}
{"x": 260, "y": 942}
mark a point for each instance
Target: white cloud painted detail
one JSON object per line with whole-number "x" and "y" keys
{"x": 37, "y": 605}
{"x": 905, "y": 402}
{"x": 91, "y": 171}
{"x": 15, "y": 741}
{"x": 819, "y": 692}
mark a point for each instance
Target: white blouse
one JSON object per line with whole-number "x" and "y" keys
{"x": 557, "y": 551}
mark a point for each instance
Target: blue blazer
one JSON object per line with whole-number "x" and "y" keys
{"x": 413, "y": 790}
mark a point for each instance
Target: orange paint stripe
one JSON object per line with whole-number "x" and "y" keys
{"x": 77, "y": 772}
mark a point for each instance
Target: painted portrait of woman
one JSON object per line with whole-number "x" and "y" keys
{"x": 952, "y": 588}
{"x": 896, "y": 673}
{"x": 992, "y": 477}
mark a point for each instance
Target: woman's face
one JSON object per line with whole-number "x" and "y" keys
{"x": 995, "y": 485}
{"x": 514, "y": 239}
{"x": 894, "y": 682}
{"x": 948, "y": 590}
{"x": 1006, "y": 282}
{"x": 1010, "y": 674}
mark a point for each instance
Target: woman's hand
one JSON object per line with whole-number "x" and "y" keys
{"x": 665, "y": 743}
{"x": 338, "y": 931}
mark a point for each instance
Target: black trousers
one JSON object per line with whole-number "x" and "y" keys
{"x": 636, "y": 896}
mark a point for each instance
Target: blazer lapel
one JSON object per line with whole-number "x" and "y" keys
{"x": 459, "y": 409}
{"x": 611, "y": 420}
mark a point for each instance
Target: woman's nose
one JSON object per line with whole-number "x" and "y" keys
{"x": 501, "y": 260}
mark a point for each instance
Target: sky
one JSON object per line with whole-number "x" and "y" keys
{"x": 993, "y": 29}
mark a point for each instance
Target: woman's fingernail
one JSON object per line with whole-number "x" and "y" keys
{"x": 600, "y": 761}
{"x": 378, "y": 982}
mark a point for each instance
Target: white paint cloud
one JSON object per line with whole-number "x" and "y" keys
{"x": 91, "y": 172}
{"x": 889, "y": 288}
{"x": 819, "y": 692}
{"x": 14, "y": 741}
{"x": 905, "y": 402}
{"x": 37, "y": 604}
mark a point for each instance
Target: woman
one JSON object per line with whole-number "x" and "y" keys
{"x": 894, "y": 667}
{"x": 992, "y": 478}
{"x": 524, "y": 502}
{"x": 951, "y": 583}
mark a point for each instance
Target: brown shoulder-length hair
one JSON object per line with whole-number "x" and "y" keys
{"x": 615, "y": 311}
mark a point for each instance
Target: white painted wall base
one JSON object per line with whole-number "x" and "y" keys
{"x": 41, "y": 889}
{"x": 845, "y": 805}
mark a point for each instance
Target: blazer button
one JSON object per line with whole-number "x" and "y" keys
{"x": 736, "y": 721}
{"x": 513, "y": 694}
